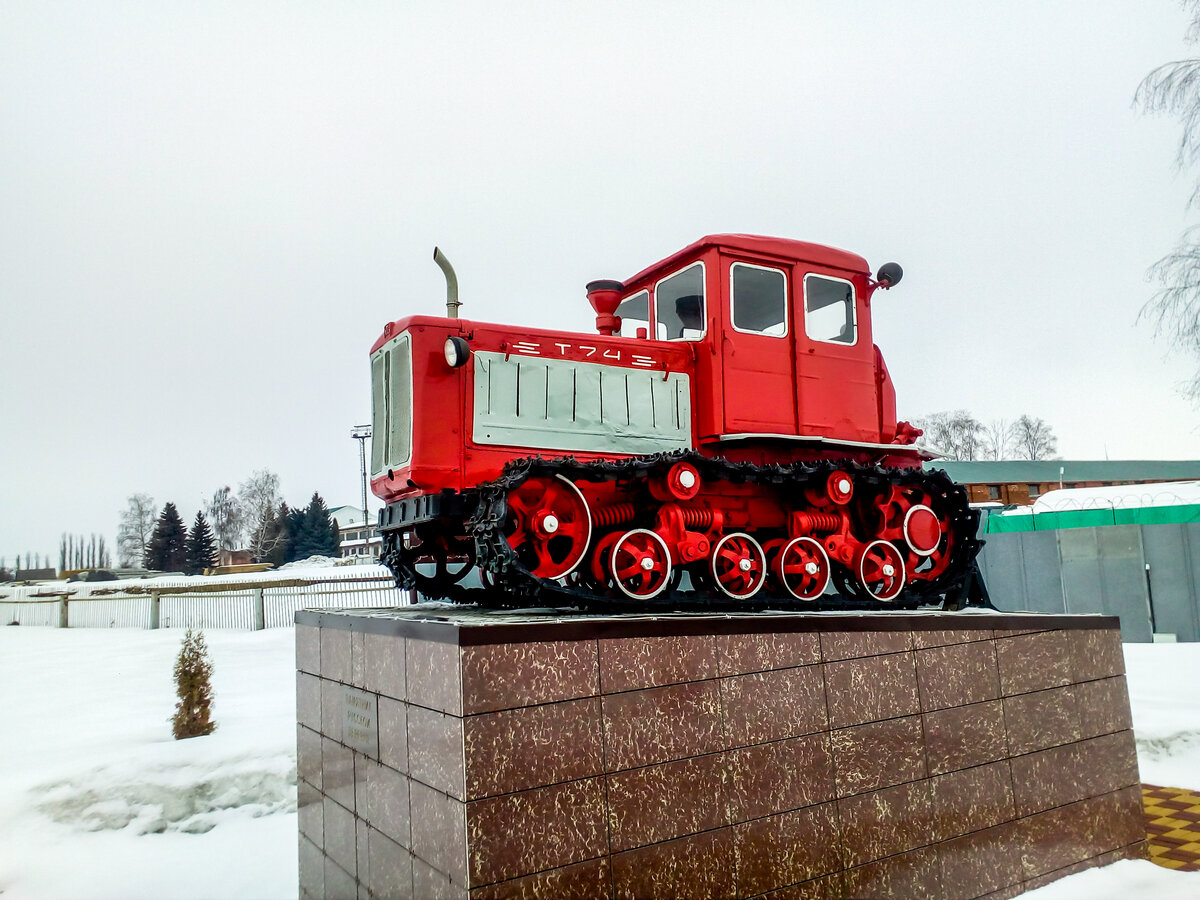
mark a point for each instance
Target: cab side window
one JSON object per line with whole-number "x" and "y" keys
{"x": 758, "y": 299}
{"x": 829, "y": 310}
{"x": 635, "y": 313}
{"x": 679, "y": 305}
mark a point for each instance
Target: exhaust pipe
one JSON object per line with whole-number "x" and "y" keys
{"x": 452, "y": 303}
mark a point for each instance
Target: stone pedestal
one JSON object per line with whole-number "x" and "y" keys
{"x": 457, "y": 753}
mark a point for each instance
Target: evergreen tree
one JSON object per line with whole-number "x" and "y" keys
{"x": 168, "y": 543}
{"x": 193, "y": 686}
{"x": 201, "y": 547}
{"x": 316, "y": 537}
{"x": 280, "y": 537}
{"x": 295, "y": 525}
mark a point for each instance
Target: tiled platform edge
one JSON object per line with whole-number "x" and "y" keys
{"x": 446, "y": 753}
{"x": 1173, "y": 826}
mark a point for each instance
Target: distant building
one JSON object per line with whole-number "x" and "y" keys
{"x": 1020, "y": 482}
{"x": 358, "y": 539}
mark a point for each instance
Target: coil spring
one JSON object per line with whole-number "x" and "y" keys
{"x": 697, "y": 517}
{"x": 819, "y": 523}
{"x": 616, "y": 514}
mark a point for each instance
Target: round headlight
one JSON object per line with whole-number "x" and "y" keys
{"x": 458, "y": 351}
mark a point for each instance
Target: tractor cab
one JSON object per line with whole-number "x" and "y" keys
{"x": 781, "y": 335}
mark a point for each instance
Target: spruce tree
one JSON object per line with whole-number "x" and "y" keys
{"x": 193, "y": 686}
{"x": 201, "y": 547}
{"x": 168, "y": 543}
{"x": 316, "y": 535}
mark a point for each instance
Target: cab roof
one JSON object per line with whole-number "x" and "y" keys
{"x": 768, "y": 246}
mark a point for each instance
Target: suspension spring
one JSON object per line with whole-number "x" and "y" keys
{"x": 617, "y": 514}
{"x": 816, "y": 523}
{"x": 697, "y": 517}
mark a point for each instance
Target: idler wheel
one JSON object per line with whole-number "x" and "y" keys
{"x": 739, "y": 566}
{"x": 548, "y": 525}
{"x": 640, "y": 564}
{"x": 803, "y": 569}
{"x": 922, "y": 530}
{"x": 880, "y": 570}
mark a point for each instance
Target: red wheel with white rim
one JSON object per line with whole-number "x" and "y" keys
{"x": 881, "y": 570}
{"x": 739, "y": 566}
{"x": 548, "y": 526}
{"x": 922, "y": 530}
{"x": 803, "y": 568}
{"x": 640, "y": 564}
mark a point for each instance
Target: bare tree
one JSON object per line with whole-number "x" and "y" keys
{"x": 1034, "y": 439}
{"x": 225, "y": 518}
{"x": 258, "y": 498}
{"x": 955, "y": 435}
{"x": 134, "y": 530}
{"x": 1174, "y": 309}
{"x": 997, "y": 439}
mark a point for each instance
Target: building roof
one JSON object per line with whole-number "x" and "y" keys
{"x": 1006, "y": 471}
{"x": 349, "y": 516}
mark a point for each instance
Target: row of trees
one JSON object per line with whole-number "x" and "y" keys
{"x": 959, "y": 435}
{"x": 255, "y": 519}
{"x": 75, "y": 553}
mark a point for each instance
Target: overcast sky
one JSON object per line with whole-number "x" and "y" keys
{"x": 209, "y": 210}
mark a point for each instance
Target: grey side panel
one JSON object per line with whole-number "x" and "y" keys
{"x": 1022, "y": 572}
{"x": 1103, "y": 572}
{"x": 1171, "y": 554}
{"x": 577, "y": 406}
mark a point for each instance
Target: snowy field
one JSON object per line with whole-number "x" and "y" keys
{"x": 97, "y": 801}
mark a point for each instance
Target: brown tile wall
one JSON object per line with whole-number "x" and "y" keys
{"x": 956, "y": 763}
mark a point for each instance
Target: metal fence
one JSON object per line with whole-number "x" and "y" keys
{"x": 249, "y": 602}
{"x": 1148, "y": 575}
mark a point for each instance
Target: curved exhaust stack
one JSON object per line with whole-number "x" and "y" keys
{"x": 452, "y": 303}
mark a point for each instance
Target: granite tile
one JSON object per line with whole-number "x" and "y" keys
{"x": 972, "y": 799}
{"x": 1041, "y": 719}
{"x": 308, "y": 756}
{"x": 545, "y": 828}
{"x": 393, "y": 733}
{"x": 591, "y": 880}
{"x": 358, "y": 661}
{"x": 331, "y": 709}
{"x": 337, "y": 773}
{"x": 1058, "y": 840}
{"x": 878, "y": 754}
{"x": 1034, "y": 662}
{"x": 362, "y": 846}
{"x": 435, "y": 751}
{"x": 941, "y": 637}
{"x": 957, "y": 674}
{"x": 699, "y": 865}
{"x": 827, "y": 887}
{"x": 384, "y": 674}
{"x": 740, "y": 654}
{"x": 1062, "y": 775}
{"x": 1097, "y": 653}
{"x": 308, "y": 700}
{"x": 660, "y": 724}
{"x": 335, "y": 654}
{"x": 1008, "y": 893}
{"x": 771, "y": 706}
{"x": 1103, "y": 706}
{"x": 1122, "y": 814}
{"x": 914, "y": 875}
{"x": 506, "y": 676}
{"x": 964, "y": 736}
{"x": 340, "y": 836}
{"x": 308, "y": 649}
{"x": 866, "y": 690}
{"x": 1054, "y": 839}
{"x": 430, "y": 883}
{"x": 628, "y": 664}
{"x": 669, "y": 800}
{"x": 385, "y": 802}
{"x": 439, "y": 832}
{"x": 849, "y": 644}
{"x": 310, "y": 807}
{"x": 433, "y": 675}
{"x": 772, "y": 778}
{"x": 786, "y": 848}
{"x": 884, "y": 823}
{"x": 360, "y": 720}
{"x": 390, "y": 868}
{"x": 339, "y": 884}
{"x": 518, "y": 749}
{"x": 312, "y": 868}
{"x": 982, "y": 862}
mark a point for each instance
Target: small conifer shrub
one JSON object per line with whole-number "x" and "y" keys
{"x": 193, "y": 685}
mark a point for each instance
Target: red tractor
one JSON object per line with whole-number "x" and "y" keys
{"x": 729, "y": 437}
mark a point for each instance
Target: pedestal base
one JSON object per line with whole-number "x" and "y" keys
{"x": 456, "y": 753}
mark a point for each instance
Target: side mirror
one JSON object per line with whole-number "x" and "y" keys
{"x": 889, "y": 275}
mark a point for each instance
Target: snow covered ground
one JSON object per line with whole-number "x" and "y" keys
{"x": 97, "y": 801}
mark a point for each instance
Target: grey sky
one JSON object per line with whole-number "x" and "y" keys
{"x": 208, "y": 210}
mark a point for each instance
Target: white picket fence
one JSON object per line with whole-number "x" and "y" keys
{"x": 252, "y": 601}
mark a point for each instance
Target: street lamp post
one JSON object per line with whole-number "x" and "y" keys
{"x": 362, "y": 434}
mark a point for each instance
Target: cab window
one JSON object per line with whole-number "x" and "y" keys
{"x": 829, "y": 309}
{"x": 635, "y": 313}
{"x": 679, "y": 305}
{"x": 758, "y": 299}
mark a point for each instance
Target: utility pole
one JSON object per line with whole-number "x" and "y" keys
{"x": 362, "y": 433}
